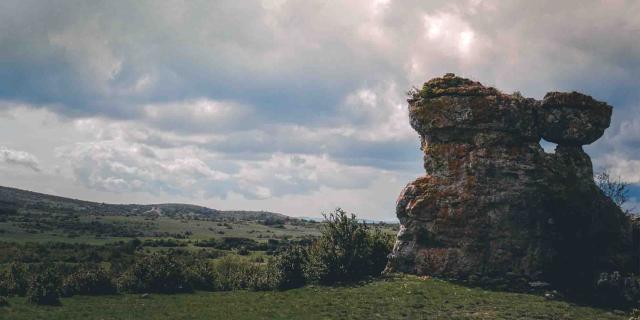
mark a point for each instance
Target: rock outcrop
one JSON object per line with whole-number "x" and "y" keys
{"x": 493, "y": 203}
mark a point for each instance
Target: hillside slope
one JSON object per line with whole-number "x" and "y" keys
{"x": 12, "y": 198}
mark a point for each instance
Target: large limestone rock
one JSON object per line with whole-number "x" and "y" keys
{"x": 493, "y": 202}
{"x": 572, "y": 118}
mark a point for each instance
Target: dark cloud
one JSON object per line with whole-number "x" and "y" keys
{"x": 248, "y": 88}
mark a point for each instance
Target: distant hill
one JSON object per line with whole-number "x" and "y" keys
{"x": 367, "y": 221}
{"x": 12, "y": 198}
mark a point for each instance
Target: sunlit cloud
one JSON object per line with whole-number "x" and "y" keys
{"x": 281, "y": 105}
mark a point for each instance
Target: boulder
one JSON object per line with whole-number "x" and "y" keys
{"x": 493, "y": 202}
{"x": 572, "y": 118}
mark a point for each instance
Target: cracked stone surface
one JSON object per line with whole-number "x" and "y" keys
{"x": 492, "y": 202}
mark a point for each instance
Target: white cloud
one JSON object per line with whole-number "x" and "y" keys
{"x": 277, "y": 99}
{"x": 19, "y": 158}
{"x": 621, "y": 167}
{"x": 300, "y": 174}
{"x": 202, "y": 115}
{"x": 121, "y": 157}
{"x": 122, "y": 166}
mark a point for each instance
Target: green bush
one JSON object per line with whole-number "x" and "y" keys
{"x": 243, "y": 251}
{"x": 347, "y": 250}
{"x": 44, "y": 287}
{"x": 289, "y": 267}
{"x": 88, "y": 280}
{"x": 14, "y": 280}
{"x": 158, "y": 273}
{"x": 380, "y": 246}
{"x": 233, "y": 272}
{"x": 261, "y": 278}
{"x": 202, "y": 276}
{"x": 4, "y": 286}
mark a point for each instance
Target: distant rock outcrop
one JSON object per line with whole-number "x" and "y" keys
{"x": 493, "y": 203}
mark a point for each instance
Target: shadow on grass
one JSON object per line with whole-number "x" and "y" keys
{"x": 574, "y": 297}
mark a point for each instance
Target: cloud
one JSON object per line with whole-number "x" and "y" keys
{"x": 210, "y": 97}
{"x": 199, "y": 115}
{"x": 115, "y": 169}
{"x": 119, "y": 166}
{"x": 19, "y": 158}
{"x": 122, "y": 158}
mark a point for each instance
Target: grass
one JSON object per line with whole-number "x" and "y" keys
{"x": 200, "y": 230}
{"x": 400, "y": 297}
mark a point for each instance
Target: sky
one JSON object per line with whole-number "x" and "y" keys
{"x": 296, "y": 107}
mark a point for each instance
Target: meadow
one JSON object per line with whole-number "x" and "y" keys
{"x": 78, "y": 260}
{"x": 397, "y": 297}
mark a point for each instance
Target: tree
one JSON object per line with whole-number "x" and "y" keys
{"x": 347, "y": 250}
{"x": 615, "y": 189}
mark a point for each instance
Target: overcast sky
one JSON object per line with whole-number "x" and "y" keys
{"x": 290, "y": 106}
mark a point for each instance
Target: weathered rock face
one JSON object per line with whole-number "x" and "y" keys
{"x": 572, "y": 118}
{"x": 493, "y": 202}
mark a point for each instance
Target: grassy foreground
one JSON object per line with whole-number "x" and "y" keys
{"x": 400, "y": 297}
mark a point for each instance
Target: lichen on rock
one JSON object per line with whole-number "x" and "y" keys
{"x": 493, "y": 202}
{"x": 572, "y": 118}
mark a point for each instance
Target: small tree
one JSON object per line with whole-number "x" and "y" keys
{"x": 347, "y": 250}
{"x": 612, "y": 188}
{"x": 14, "y": 279}
{"x": 44, "y": 288}
{"x": 161, "y": 273}
{"x": 289, "y": 267}
{"x": 202, "y": 276}
{"x": 90, "y": 279}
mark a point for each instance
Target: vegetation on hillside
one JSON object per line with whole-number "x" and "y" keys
{"x": 14, "y": 199}
{"x": 347, "y": 251}
{"x": 272, "y": 259}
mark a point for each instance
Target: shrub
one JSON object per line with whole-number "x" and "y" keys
{"x": 44, "y": 287}
{"x": 88, "y": 280}
{"x": 159, "y": 273}
{"x": 347, "y": 250}
{"x": 202, "y": 276}
{"x": 261, "y": 278}
{"x": 14, "y": 280}
{"x": 289, "y": 267}
{"x": 380, "y": 245}
{"x": 4, "y": 290}
{"x": 243, "y": 251}
{"x": 615, "y": 290}
{"x": 233, "y": 272}
{"x": 613, "y": 188}
{"x": 229, "y": 243}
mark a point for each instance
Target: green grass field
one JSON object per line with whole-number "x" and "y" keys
{"x": 401, "y": 297}
{"x": 398, "y": 297}
{"x": 199, "y": 229}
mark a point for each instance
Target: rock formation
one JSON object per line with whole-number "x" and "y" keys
{"x": 493, "y": 203}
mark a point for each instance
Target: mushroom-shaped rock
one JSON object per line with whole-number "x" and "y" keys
{"x": 572, "y": 118}
{"x": 492, "y": 203}
{"x": 454, "y": 108}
